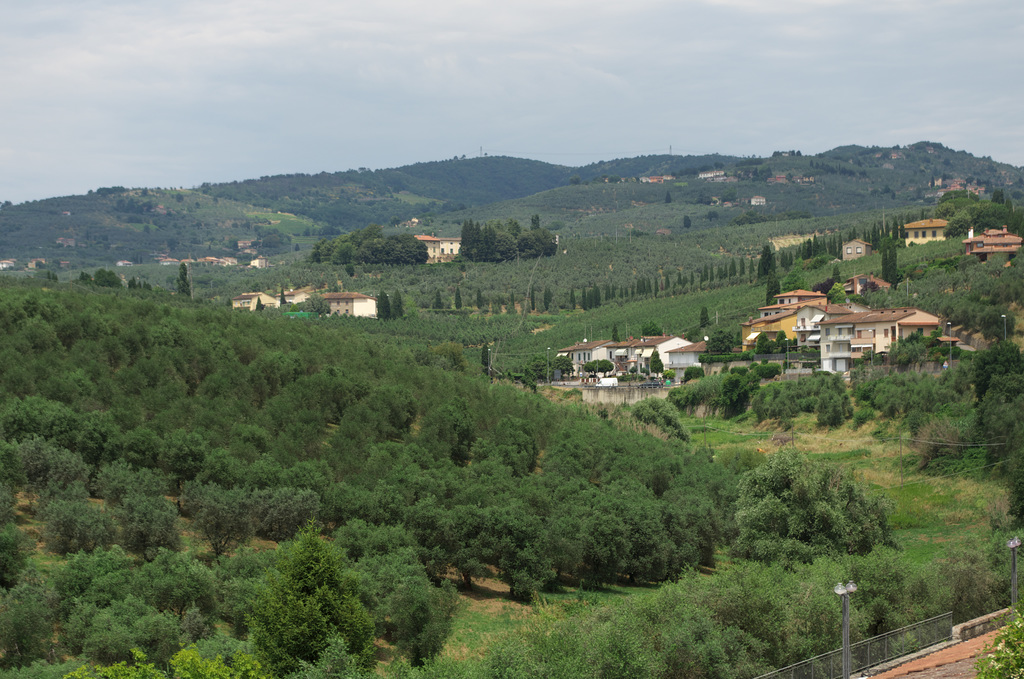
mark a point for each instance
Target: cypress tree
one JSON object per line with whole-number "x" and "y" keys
{"x": 572, "y": 298}
{"x": 479, "y": 299}
{"x": 184, "y": 286}
{"x": 384, "y": 307}
{"x": 438, "y": 304}
{"x": 771, "y": 288}
{"x": 397, "y": 308}
{"x": 458, "y": 298}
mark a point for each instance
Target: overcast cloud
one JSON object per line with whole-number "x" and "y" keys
{"x": 157, "y": 93}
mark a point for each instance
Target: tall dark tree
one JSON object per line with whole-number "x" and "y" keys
{"x": 397, "y": 306}
{"x": 383, "y": 307}
{"x": 458, "y": 298}
{"x": 766, "y": 265}
{"x": 438, "y": 304}
{"x": 704, "y": 320}
{"x": 184, "y": 284}
{"x": 890, "y": 268}
{"x": 771, "y": 288}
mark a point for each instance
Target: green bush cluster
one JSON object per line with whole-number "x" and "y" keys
{"x": 822, "y": 393}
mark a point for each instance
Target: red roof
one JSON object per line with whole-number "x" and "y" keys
{"x": 698, "y": 348}
{"x": 345, "y": 295}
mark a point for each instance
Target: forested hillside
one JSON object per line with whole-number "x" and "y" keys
{"x": 282, "y": 213}
{"x": 306, "y": 495}
{"x": 253, "y": 426}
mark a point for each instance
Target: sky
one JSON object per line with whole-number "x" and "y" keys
{"x": 154, "y": 93}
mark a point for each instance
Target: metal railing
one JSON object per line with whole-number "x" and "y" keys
{"x": 871, "y": 652}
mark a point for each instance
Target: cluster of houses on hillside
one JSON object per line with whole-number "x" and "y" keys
{"x": 634, "y": 355}
{"x": 842, "y": 332}
{"x": 990, "y": 241}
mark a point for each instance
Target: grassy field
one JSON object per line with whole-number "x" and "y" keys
{"x": 284, "y": 222}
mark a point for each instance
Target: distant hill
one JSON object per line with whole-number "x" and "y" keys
{"x": 283, "y": 212}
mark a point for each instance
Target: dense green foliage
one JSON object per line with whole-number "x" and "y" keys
{"x": 369, "y": 246}
{"x": 790, "y": 509}
{"x": 742, "y": 622}
{"x": 256, "y": 424}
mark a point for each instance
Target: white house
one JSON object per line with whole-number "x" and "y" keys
{"x": 681, "y": 358}
{"x": 846, "y": 338}
{"x": 584, "y": 352}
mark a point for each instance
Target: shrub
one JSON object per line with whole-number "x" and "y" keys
{"x": 694, "y": 372}
{"x": 862, "y": 416}
{"x": 661, "y": 414}
{"x": 73, "y": 526}
{"x": 766, "y": 371}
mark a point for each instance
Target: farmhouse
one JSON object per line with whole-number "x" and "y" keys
{"x": 855, "y": 249}
{"x": 991, "y": 242}
{"x": 926, "y": 230}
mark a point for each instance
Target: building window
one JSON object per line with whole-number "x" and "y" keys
{"x": 860, "y": 250}
{"x": 933, "y": 234}
{"x": 849, "y": 250}
{"x": 885, "y": 332}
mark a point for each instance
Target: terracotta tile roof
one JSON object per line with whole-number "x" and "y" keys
{"x": 697, "y": 348}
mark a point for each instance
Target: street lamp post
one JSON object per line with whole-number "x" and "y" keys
{"x": 949, "y": 332}
{"x": 844, "y": 592}
{"x": 1004, "y": 327}
{"x": 1013, "y": 544}
{"x": 547, "y": 355}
